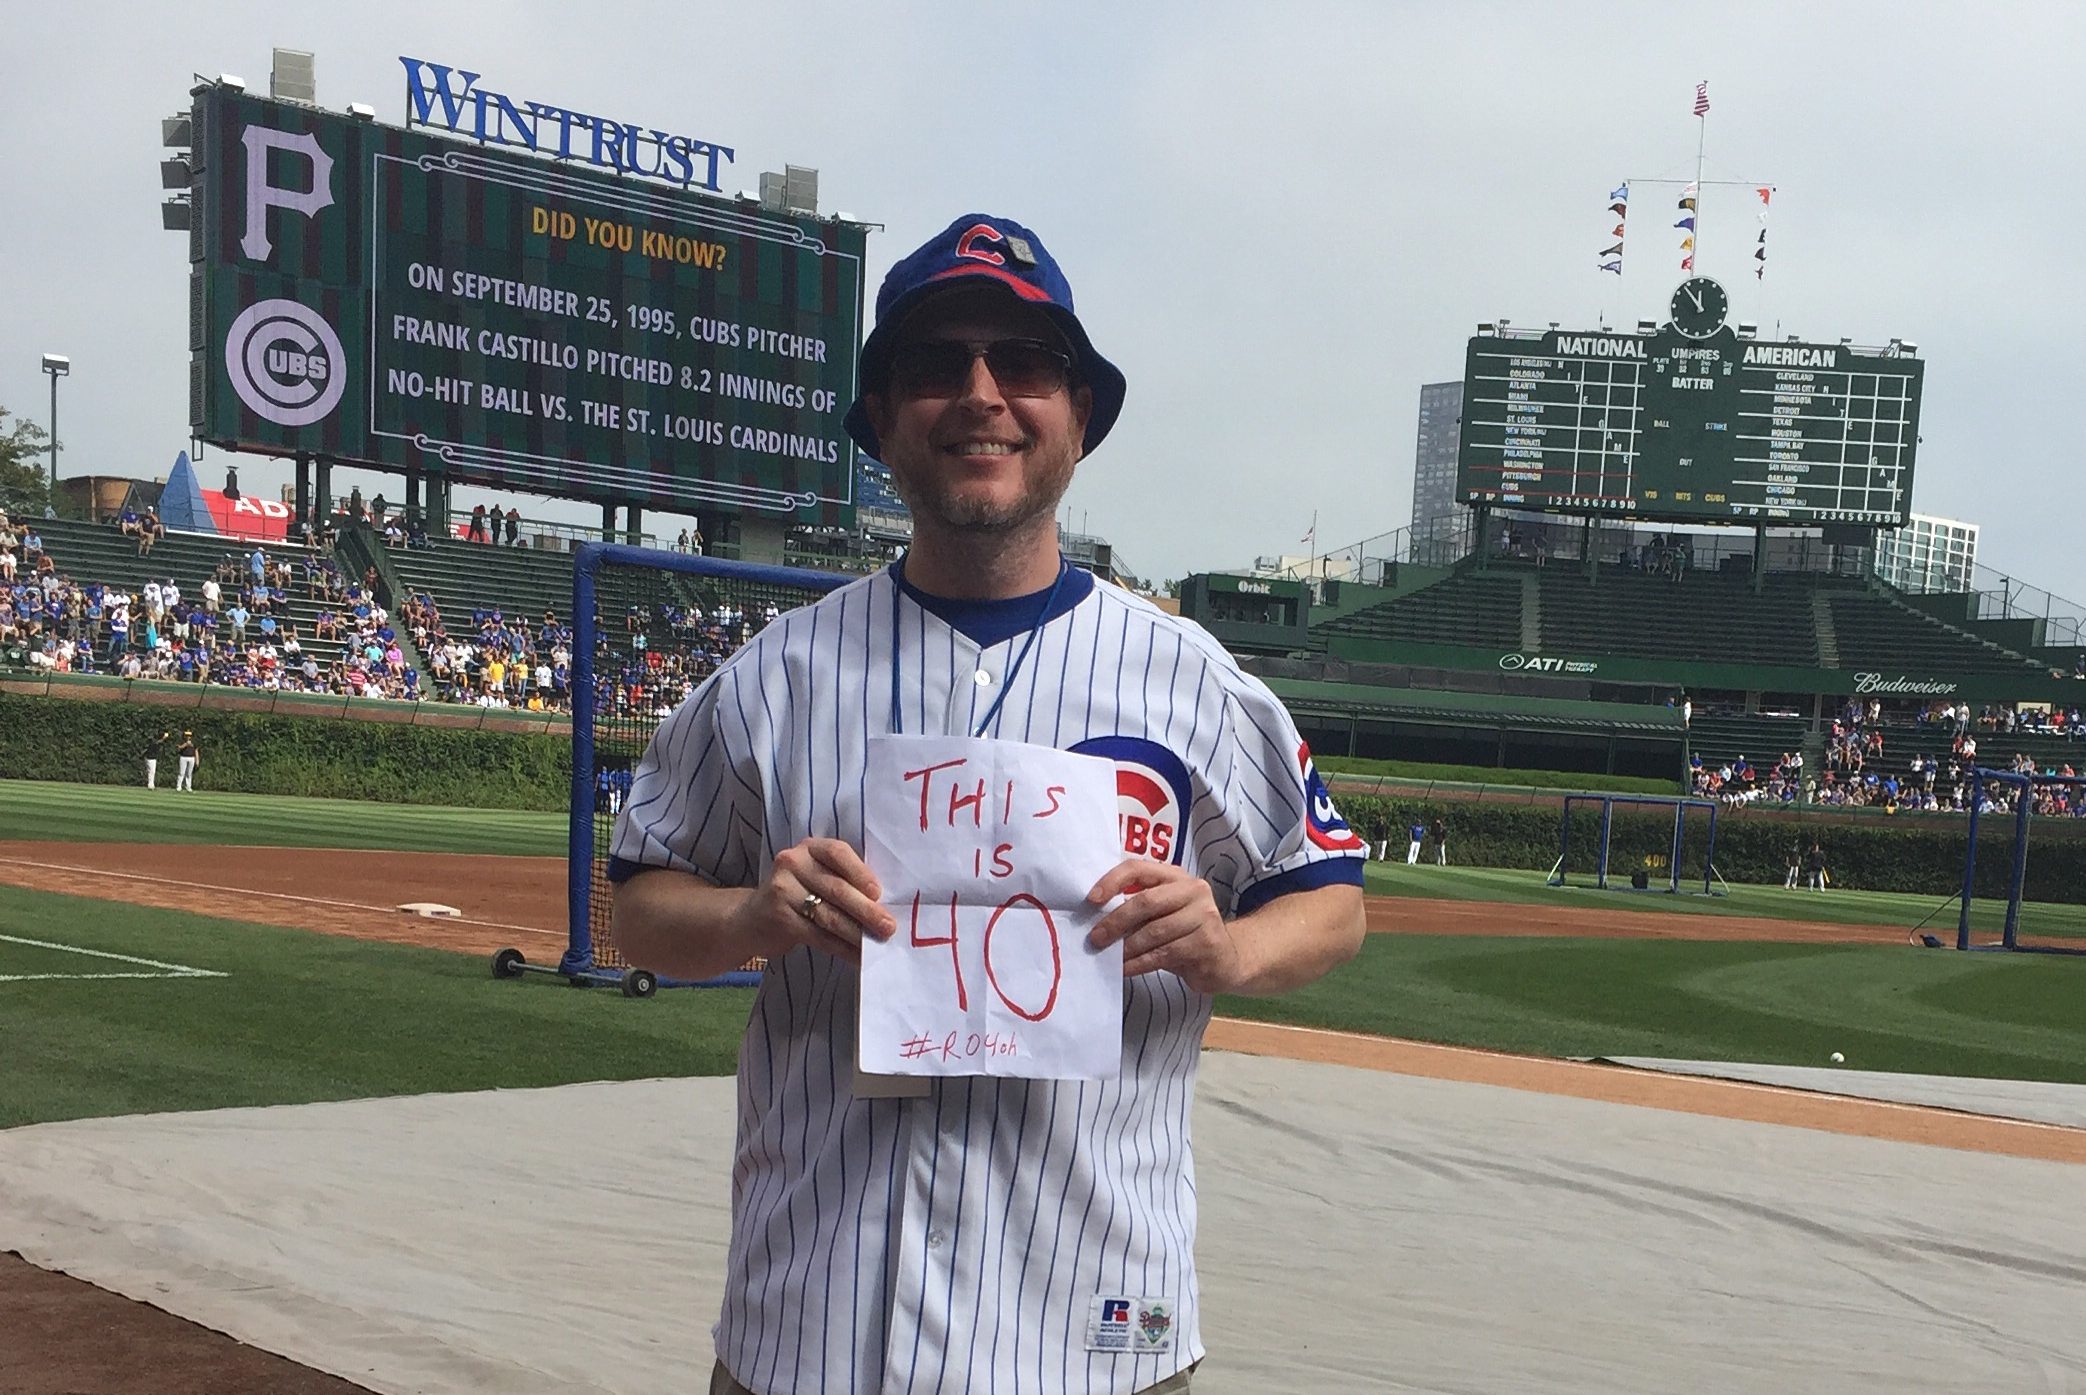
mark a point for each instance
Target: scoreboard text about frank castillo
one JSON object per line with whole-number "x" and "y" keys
{"x": 396, "y": 299}
{"x": 1661, "y": 426}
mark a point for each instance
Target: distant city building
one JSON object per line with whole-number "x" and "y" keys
{"x": 1437, "y": 517}
{"x": 1928, "y": 554}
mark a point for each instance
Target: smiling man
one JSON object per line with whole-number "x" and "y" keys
{"x": 1024, "y": 1237}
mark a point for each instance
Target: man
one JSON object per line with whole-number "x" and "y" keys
{"x": 154, "y": 749}
{"x": 185, "y": 776}
{"x": 973, "y": 1233}
{"x": 1440, "y": 830}
{"x": 1418, "y": 834}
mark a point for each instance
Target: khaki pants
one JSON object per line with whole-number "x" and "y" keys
{"x": 721, "y": 1383}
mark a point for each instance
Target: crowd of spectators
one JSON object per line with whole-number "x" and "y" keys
{"x": 232, "y": 628}
{"x": 1857, "y": 774}
{"x": 662, "y": 652}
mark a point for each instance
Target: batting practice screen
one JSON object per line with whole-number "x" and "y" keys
{"x": 393, "y": 298}
{"x": 1718, "y": 430}
{"x": 647, "y": 626}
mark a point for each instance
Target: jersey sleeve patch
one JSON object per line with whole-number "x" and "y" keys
{"x": 1153, "y": 794}
{"x": 1322, "y": 822}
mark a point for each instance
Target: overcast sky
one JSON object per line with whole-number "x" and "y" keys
{"x": 1279, "y": 219}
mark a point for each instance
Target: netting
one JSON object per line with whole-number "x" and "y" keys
{"x": 648, "y": 627}
{"x": 1643, "y": 843}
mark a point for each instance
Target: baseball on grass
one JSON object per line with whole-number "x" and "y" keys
{"x": 1838, "y": 1059}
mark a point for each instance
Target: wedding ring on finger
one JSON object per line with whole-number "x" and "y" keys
{"x": 811, "y": 902}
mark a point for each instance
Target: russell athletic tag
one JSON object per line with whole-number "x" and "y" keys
{"x": 1122, "y": 1322}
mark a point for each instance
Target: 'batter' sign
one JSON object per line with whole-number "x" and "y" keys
{"x": 986, "y": 851}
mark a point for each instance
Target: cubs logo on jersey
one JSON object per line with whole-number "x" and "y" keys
{"x": 1322, "y": 822}
{"x": 1152, "y": 794}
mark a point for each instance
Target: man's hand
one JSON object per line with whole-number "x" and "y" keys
{"x": 779, "y": 910}
{"x": 1168, "y": 920}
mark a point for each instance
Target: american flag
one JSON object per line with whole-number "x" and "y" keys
{"x": 1701, "y": 99}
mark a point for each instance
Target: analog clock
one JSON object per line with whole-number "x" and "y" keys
{"x": 1699, "y": 307}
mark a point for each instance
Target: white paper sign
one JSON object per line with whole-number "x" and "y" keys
{"x": 986, "y": 851}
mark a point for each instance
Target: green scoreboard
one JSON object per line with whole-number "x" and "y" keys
{"x": 1691, "y": 422}
{"x": 401, "y": 300}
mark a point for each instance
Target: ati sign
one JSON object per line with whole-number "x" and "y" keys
{"x": 1539, "y": 663}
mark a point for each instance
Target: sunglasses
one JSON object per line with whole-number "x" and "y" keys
{"x": 942, "y": 367}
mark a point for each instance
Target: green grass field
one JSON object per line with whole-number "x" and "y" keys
{"x": 133, "y": 814}
{"x": 2004, "y": 1016}
{"x": 300, "y": 1017}
{"x": 1514, "y": 887}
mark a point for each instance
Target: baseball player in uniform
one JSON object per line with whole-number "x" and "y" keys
{"x": 974, "y": 1234}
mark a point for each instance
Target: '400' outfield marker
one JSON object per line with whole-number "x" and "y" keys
{"x": 165, "y": 970}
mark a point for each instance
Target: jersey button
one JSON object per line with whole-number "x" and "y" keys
{"x": 935, "y": 1239}
{"x": 982, "y": 678}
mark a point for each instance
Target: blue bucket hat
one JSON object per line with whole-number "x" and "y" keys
{"x": 981, "y": 248}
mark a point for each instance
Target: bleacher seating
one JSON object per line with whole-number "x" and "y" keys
{"x": 1467, "y": 607}
{"x": 1720, "y": 738}
{"x": 1701, "y": 616}
{"x": 97, "y": 552}
{"x": 1874, "y": 630}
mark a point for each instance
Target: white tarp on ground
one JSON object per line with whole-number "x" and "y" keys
{"x": 2035, "y": 1101}
{"x": 1361, "y": 1232}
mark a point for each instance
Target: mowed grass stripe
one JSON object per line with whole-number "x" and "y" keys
{"x": 1886, "y": 1008}
{"x": 304, "y": 1017}
{"x": 35, "y": 809}
{"x": 1525, "y": 888}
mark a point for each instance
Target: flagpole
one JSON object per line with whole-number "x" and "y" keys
{"x": 1701, "y": 138}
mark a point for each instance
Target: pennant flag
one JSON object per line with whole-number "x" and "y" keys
{"x": 1761, "y": 255}
{"x": 1620, "y": 210}
{"x": 1620, "y": 191}
{"x": 1687, "y": 244}
{"x": 1688, "y": 203}
{"x": 1691, "y": 190}
{"x": 1701, "y": 99}
{"x": 1764, "y": 194}
{"x": 1687, "y": 263}
{"x": 1614, "y": 266}
{"x": 1617, "y": 232}
{"x": 1687, "y": 222}
{"x": 1763, "y": 234}
{"x": 1614, "y": 251}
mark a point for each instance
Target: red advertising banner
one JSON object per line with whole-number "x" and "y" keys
{"x": 261, "y": 520}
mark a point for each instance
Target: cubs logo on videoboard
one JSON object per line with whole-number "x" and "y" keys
{"x": 1152, "y": 794}
{"x": 1321, "y": 820}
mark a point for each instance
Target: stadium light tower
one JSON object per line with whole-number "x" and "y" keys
{"x": 58, "y": 366}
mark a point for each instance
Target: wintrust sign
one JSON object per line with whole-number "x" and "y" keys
{"x": 437, "y": 95}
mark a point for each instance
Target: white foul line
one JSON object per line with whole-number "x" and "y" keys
{"x": 172, "y": 970}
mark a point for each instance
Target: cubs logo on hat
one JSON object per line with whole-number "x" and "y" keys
{"x": 980, "y": 248}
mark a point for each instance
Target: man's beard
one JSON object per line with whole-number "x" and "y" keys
{"x": 946, "y": 502}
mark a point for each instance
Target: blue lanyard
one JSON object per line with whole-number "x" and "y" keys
{"x": 1064, "y": 569}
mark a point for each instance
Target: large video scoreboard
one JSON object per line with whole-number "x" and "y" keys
{"x": 397, "y": 299}
{"x": 1689, "y": 423}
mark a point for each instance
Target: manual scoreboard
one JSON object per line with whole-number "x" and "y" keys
{"x": 1690, "y": 423}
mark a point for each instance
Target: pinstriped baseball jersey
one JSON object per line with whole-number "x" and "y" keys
{"x": 967, "y": 1240}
